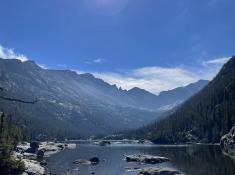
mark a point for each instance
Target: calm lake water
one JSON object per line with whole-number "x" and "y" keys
{"x": 190, "y": 160}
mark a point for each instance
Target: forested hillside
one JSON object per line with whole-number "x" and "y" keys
{"x": 205, "y": 117}
{"x": 10, "y": 135}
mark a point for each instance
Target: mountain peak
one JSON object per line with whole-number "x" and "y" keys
{"x": 87, "y": 75}
{"x": 29, "y": 62}
{"x": 11, "y": 60}
{"x": 137, "y": 89}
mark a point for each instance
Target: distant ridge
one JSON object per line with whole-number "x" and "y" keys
{"x": 165, "y": 98}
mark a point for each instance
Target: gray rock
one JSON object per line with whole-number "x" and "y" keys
{"x": 61, "y": 146}
{"x": 82, "y": 162}
{"x": 43, "y": 163}
{"x": 104, "y": 143}
{"x": 227, "y": 143}
{"x": 148, "y": 159}
{"x": 158, "y": 171}
{"x": 40, "y": 153}
{"x": 94, "y": 160}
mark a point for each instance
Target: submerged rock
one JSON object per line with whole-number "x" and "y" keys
{"x": 158, "y": 171}
{"x": 227, "y": 143}
{"x": 131, "y": 169}
{"x": 148, "y": 159}
{"x": 82, "y": 162}
{"x": 92, "y": 161}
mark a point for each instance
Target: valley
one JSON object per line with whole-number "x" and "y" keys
{"x": 73, "y": 106}
{"x": 117, "y": 87}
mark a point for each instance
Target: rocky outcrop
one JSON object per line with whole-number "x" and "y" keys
{"x": 158, "y": 171}
{"x": 34, "y": 162}
{"x": 227, "y": 143}
{"x": 33, "y": 167}
{"x": 148, "y": 159}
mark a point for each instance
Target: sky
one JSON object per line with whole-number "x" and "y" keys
{"x": 152, "y": 44}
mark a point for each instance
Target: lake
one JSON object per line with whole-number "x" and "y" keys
{"x": 188, "y": 159}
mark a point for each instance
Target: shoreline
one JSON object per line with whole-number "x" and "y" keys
{"x": 34, "y": 164}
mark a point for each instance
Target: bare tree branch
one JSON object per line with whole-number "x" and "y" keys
{"x": 15, "y": 99}
{"x": 18, "y": 100}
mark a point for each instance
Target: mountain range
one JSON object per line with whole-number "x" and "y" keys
{"x": 72, "y": 105}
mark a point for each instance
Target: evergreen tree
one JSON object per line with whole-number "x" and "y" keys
{"x": 9, "y": 136}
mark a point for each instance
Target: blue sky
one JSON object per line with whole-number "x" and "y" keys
{"x": 152, "y": 44}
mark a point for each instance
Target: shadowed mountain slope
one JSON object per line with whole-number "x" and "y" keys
{"x": 205, "y": 117}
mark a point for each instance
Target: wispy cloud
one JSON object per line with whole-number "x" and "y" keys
{"x": 217, "y": 61}
{"x": 95, "y": 61}
{"x": 153, "y": 79}
{"x": 43, "y": 66}
{"x": 156, "y": 79}
{"x": 99, "y": 60}
{"x": 9, "y": 53}
{"x": 211, "y": 67}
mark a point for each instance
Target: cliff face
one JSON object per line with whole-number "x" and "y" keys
{"x": 227, "y": 143}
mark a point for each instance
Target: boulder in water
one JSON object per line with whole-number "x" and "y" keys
{"x": 148, "y": 159}
{"x": 104, "y": 143}
{"x": 94, "y": 160}
{"x": 82, "y": 162}
{"x": 158, "y": 171}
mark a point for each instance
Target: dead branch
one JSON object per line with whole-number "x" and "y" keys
{"x": 18, "y": 100}
{"x": 15, "y": 99}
